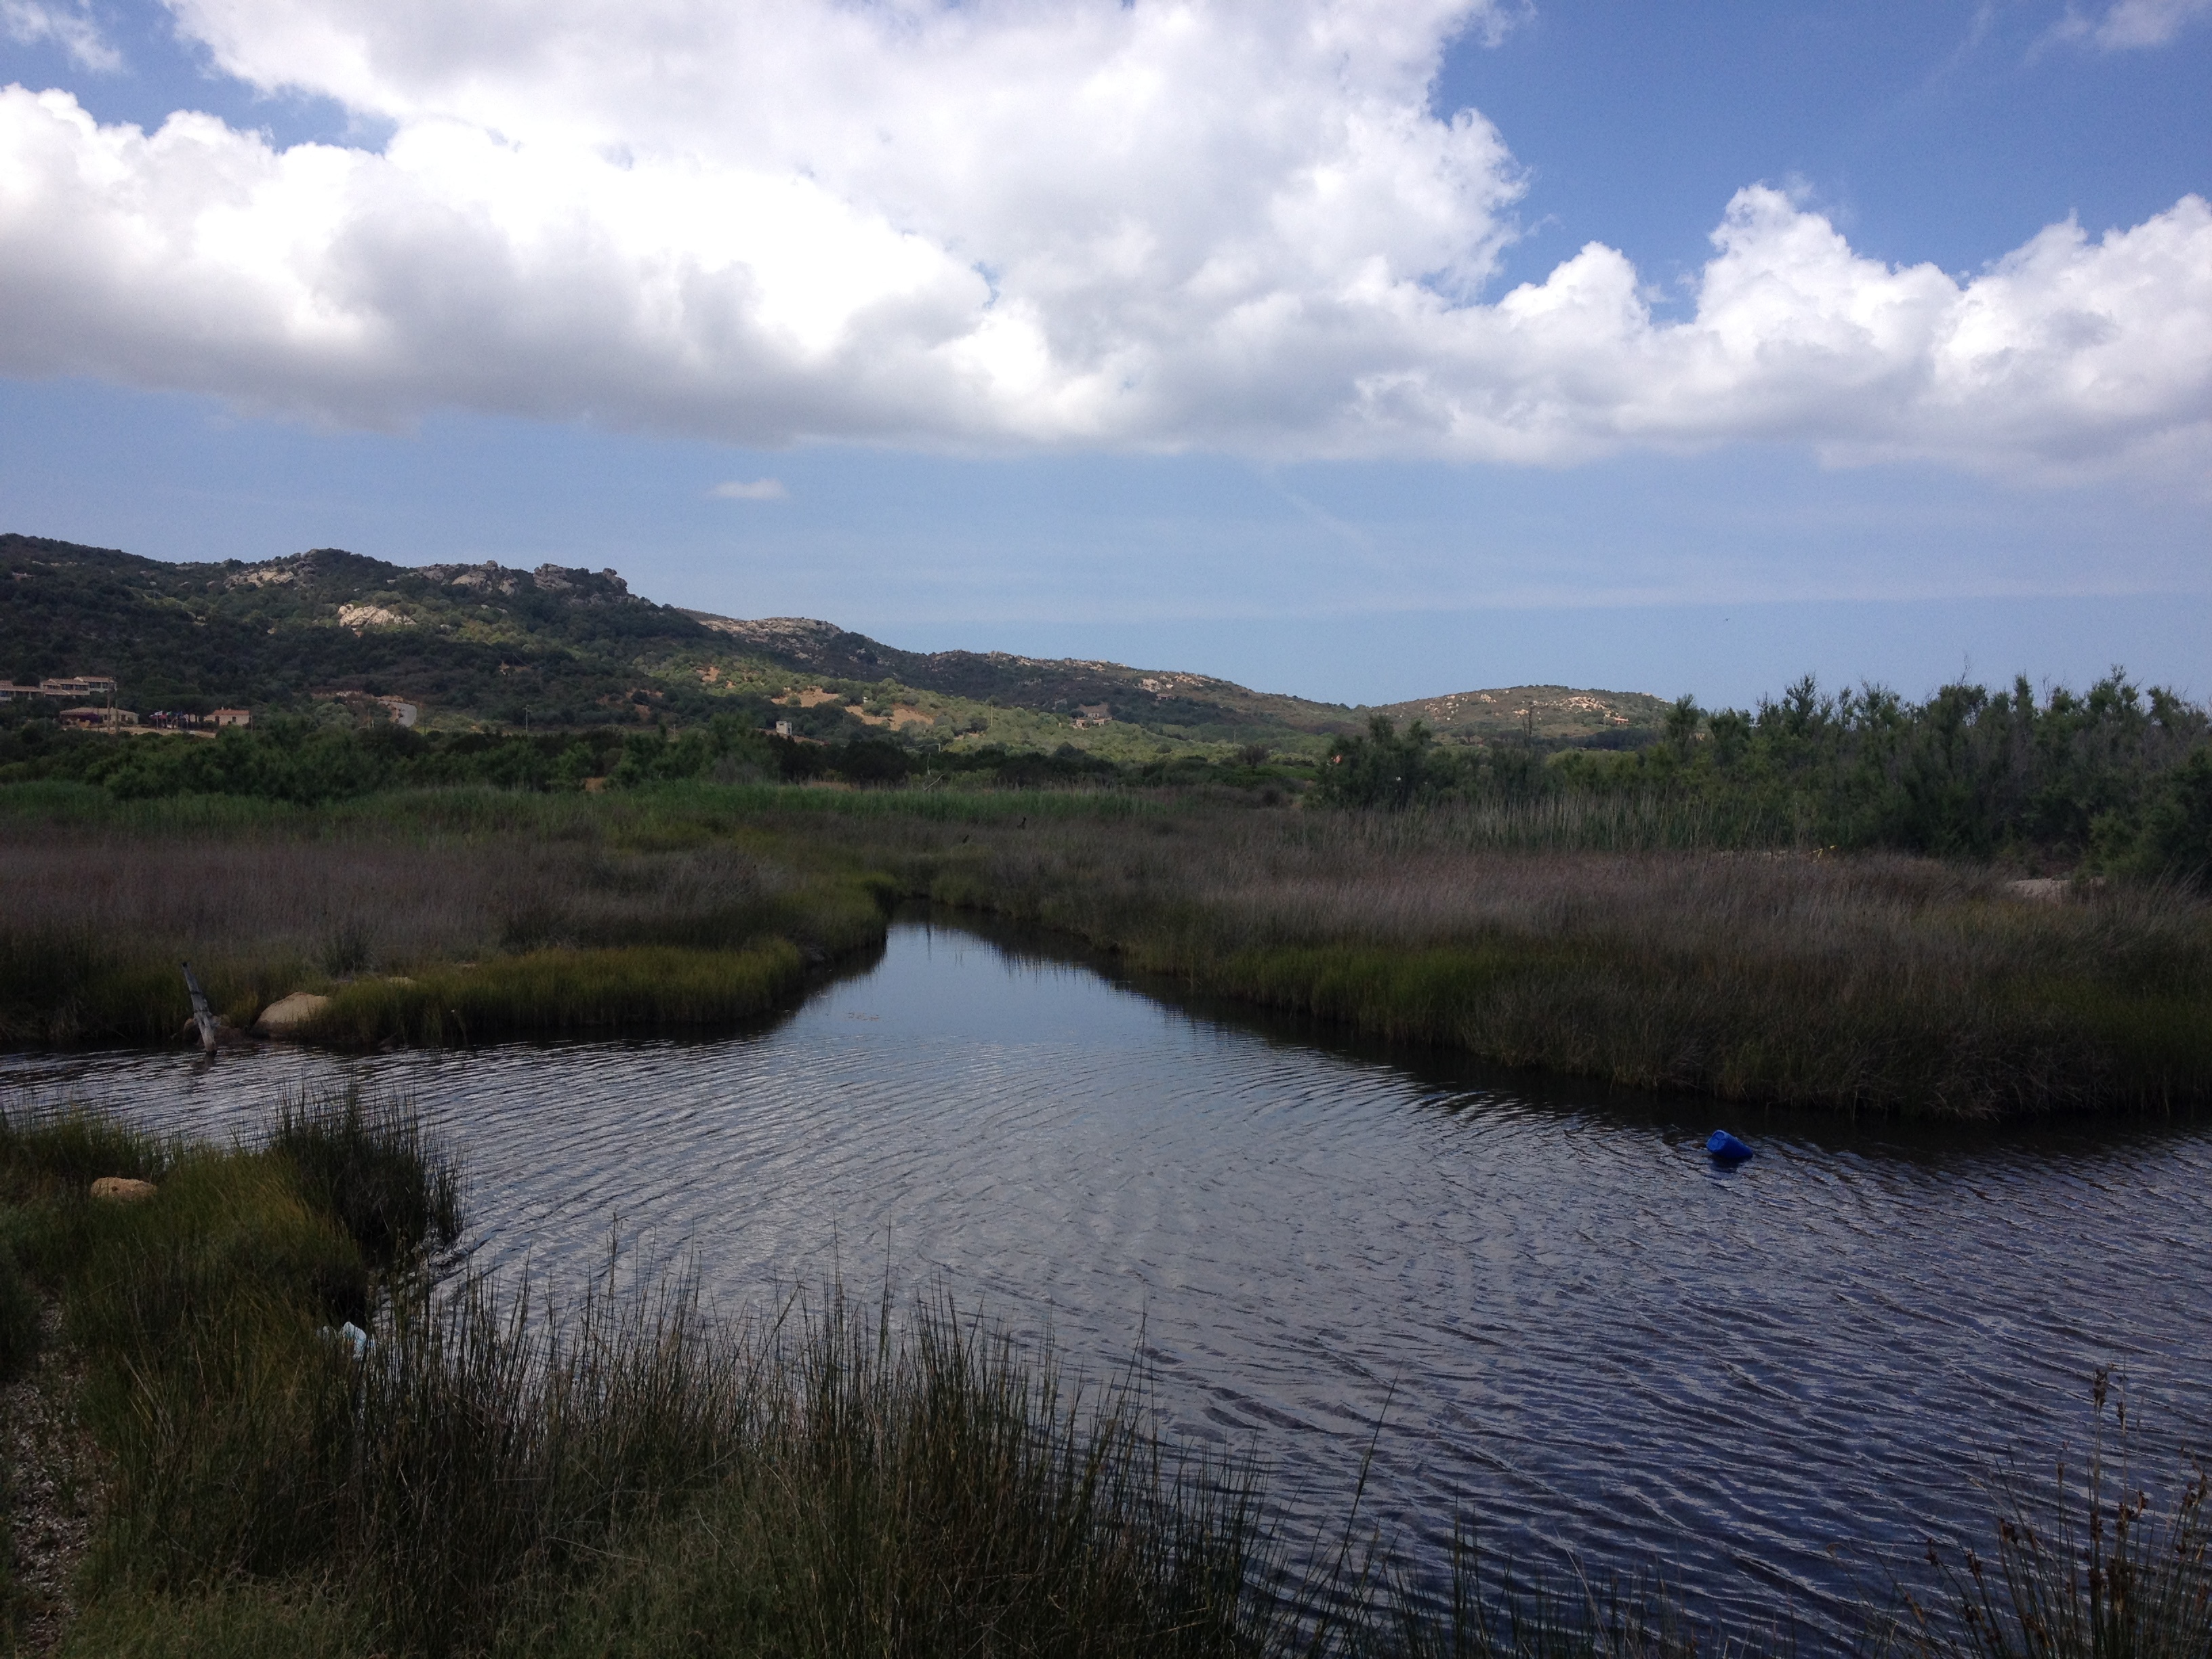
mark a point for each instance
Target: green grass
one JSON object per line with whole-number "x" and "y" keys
{"x": 547, "y": 991}
{"x": 196, "y": 1314}
{"x": 365, "y": 1161}
{"x": 480, "y": 809}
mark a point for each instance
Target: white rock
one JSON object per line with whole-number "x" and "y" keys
{"x": 287, "y": 1014}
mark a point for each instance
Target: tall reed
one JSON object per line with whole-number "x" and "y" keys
{"x": 1875, "y": 983}
{"x": 95, "y": 917}
{"x": 1599, "y": 935}
{"x": 2089, "y": 1568}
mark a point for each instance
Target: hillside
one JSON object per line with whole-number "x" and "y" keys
{"x": 558, "y": 646}
{"x": 327, "y": 632}
{"x": 1559, "y": 713}
{"x": 1194, "y": 703}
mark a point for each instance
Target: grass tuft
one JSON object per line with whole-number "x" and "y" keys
{"x": 366, "y": 1164}
{"x": 2092, "y": 1568}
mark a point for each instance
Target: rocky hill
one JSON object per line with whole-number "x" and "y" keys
{"x": 1558, "y": 713}
{"x": 328, "y": 632}
{"x": 1110, "y": 691}
{"x": 496, "y": 645}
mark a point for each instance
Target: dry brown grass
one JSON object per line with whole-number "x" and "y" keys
{"x": 1876, "y": 982}
{"x": 361, "y": 904}
{"x": 1880, "y": 982}
{"x": 93, "y": 924}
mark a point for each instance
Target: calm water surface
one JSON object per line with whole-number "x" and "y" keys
{"x": 1773, "y": 1381}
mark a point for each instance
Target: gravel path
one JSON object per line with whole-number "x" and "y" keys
{"x": 53, "y": 1480}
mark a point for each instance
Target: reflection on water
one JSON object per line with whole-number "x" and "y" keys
{"x": 1588, "y": 1337}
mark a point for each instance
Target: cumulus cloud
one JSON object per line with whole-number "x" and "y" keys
{"x": 1227, "y": 224}
{"x": 755, "y": 489}
{"x": 34, "y": 22}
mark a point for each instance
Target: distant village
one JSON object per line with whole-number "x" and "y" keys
{"x": 94, "y": 708}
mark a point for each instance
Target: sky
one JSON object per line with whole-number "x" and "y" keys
{"x": 1359, "y": 349}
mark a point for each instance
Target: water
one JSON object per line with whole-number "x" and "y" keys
{"x": 1774, "y": 1382}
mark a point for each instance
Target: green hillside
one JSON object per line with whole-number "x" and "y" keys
{"x": 1557, "y": 713}
{"x": 328, "y": 632}
{"x": 481, "y": 643}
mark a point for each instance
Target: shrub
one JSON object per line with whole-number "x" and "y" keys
{"x": 2174, "y": 839}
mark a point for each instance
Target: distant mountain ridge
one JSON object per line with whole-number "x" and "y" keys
{"x": 1135, "y": 695}
{"x": 485, "y": 644}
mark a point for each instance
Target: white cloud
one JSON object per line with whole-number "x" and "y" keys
{"x": 2132, "y": 25}
{"x": 756, "y": 489}
{"x": 32, "y": 22}
{"x": 1230, "y": 224}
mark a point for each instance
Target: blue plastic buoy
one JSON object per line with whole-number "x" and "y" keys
{"x": 1726, "y": 1148}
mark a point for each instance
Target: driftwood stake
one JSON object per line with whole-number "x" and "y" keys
{"x": 203, "y": 1016}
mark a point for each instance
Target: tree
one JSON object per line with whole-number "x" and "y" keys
{"x": 1384, "y": 768}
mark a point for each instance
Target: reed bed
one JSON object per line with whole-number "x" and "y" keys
{"x": 579, "y": 915}
{"x": 1871, "y": 983}
{"x": 1636, "y": 939}
{"x": 628, "y": 1474}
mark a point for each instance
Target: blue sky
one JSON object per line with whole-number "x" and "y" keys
{"x": 1356, "y": 351}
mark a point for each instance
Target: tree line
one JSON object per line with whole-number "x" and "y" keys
{"x": 308, "y": 763}
{"x": 2116, "y": 780}
{"x": 2120, "y": 778}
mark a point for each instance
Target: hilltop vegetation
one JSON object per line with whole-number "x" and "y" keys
{"x": 325, "y": 634}
{"x": 490, "y": 643}
{"x": 1192, "y": 705}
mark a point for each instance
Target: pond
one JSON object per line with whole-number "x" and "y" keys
{"x": 1537, "y": 1300}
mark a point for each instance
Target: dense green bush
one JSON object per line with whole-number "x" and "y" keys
{"x": 2172, "y": 836}
{"x": 295, "y": 761}
{"x": 1969, "y": 772}
{"x": 2120, "y": 775}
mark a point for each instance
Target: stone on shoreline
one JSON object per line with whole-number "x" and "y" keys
{"x": 286, "y": 1014}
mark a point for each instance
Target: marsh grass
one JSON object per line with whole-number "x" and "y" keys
{"x": 1639, "y": 939}
{"x": 564, "y": 990}
{"x": 2087, "y": 1566}
{"x": 637, "y": 1478}
{"x": 556, "y": 897}
{"x": 365, "y": 1162}
{"x": 1875, "y": 983}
